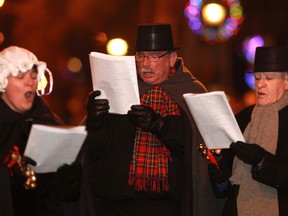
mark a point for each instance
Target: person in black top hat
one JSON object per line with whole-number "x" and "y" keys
{"x": 141, "y": 163}
{"x": 257, "y": 183}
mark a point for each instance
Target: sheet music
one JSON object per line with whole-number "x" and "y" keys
{"x": 214, "y": 118}
{"x": 116, "y": 78}
{"x": 52, "y": 146}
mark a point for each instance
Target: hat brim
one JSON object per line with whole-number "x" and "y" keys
{"x": 152, "y": 50}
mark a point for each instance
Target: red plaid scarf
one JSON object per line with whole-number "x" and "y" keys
{"x": 149, "y": 165}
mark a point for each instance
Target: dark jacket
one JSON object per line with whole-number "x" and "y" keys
{"x": 111, "y": 149}
{"x": 274, "y": 170}
{"x": 14, "y": 130}
{"x": 111, "y": 154}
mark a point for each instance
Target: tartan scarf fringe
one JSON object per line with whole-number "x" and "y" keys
{"x": 149, "y": 165}
{"x": 145, "y": 183}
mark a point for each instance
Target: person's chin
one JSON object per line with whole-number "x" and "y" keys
{"x": 148, "y": 79}
{"x": 263, "y": 102}
{"x": 27, "y": 106}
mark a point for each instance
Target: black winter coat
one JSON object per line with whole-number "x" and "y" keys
{"x": 188, "y": 176}
{"x": 274, "y": 170}
{"x": 14, "y": 130}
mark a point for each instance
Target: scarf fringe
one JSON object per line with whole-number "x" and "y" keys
{"x": 144, "y": 184}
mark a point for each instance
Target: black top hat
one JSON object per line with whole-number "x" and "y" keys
{"x": 271, "y": 59}
{"x": 154, "y": 37}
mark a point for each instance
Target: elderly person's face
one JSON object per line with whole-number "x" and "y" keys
{"x": 20, "y": 91}
{"x": 270, "y": 86}
{"x": 152, "y": 69}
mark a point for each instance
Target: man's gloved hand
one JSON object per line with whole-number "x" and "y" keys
{"x": 145, "y": 118}
{"x": 250, "y": 153}
{"x": 27, "y": 160}
{"x": 216, "y": 174}
{"x": 96, "y": 109}
{"x": 219, "y": 176}
{"x": 70, "y": 179}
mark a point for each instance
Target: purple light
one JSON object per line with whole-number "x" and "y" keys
{"x": 196, "y": 2}
{"x": 191, "y": 12}
{"x": 196, "y": 26}
{"x": 249, "y": 46}
{"x": 249, "y": 80}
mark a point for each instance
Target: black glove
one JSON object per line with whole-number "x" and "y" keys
{"x": 145, "y": 118}
{"x": 27, "y": 160}
{"x": 96, "y": 110}
{"x": 250, "y": 153}
{"x": 216, "y": 175}
{"x": 219, "y": 178}
{"x": 69, "y": 181}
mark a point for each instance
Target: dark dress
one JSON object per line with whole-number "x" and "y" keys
{"x": 14, "y": 130}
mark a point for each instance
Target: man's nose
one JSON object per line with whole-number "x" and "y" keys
{"x": 260, "y": 83}
{"x": 145, "y": 60}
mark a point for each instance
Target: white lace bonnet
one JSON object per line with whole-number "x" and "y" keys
{"x": 14, "y": 59}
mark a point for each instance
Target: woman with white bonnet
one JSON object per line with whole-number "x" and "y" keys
{"x": 21, "y": 105}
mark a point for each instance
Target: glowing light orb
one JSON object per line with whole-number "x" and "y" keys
{"x": 117, "y": 46}
{"x": 74, "y": 64}
{"x": 2, "y": 2}
{"x": 213, "y": 14}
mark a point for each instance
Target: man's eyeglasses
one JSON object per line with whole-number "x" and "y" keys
{"x": 151, "y": 58}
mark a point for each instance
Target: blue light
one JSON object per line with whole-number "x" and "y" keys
{"x": 249, "y": 80}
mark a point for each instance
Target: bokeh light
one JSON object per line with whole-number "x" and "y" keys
{"x": 1, "y": 37}
{"x": 2, "y": 2}
{"x": 213, "y": 14}
{"x": 219, "y": 32}
{"x": 248, "y": 48}
{"x": 100, "y": 38}
{"x": 117, "y": 46}
{"x": 249, "y": 80}
{"x": 74, "y": 64}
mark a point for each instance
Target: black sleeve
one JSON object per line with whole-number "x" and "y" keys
{"x": 5, "y": 143}
{"x": 272, "y": 173}
{"x": 10, "y": 135}
{"x": 172, "y": 133}
{"x": 98, "y": 138}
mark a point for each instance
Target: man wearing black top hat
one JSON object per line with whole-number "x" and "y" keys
{"x": 146, "y": 162}
{"x": 258, "y": 182}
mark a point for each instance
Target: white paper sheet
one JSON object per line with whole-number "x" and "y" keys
{"x": 214, "y": 118}
{"x": 116, "y": 78}
{"x": 52, "y": 146}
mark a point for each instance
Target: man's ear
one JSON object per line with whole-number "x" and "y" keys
{"x": 173, "y": 58}
{"x": 286, "y": 84}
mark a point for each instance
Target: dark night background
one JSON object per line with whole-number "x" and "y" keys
{"x": 56, "y": 30}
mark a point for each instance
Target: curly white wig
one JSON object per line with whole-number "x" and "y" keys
{"x": 15, "y": 59}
